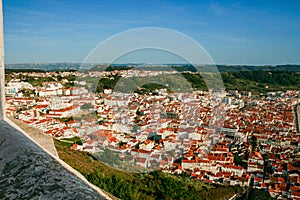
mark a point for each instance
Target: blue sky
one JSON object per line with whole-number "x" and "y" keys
{"x": 232, "y": 32}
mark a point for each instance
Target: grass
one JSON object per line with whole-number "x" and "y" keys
{"x": 68, "y": 142}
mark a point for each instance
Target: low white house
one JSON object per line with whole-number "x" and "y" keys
{"x": 13, "y": 88}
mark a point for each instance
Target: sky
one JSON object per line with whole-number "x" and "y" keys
{"x": 256, "y": 32}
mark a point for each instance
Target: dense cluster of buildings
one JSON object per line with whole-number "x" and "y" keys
{"x": 231, "y": 139}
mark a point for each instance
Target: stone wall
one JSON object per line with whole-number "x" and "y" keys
{"x": 28, "y": 172}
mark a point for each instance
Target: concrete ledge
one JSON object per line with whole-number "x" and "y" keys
{"x": 41, "y": 139}
{"x": 28, "y": 172}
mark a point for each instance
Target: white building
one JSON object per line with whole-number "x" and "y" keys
{"x": 13, "y": 88}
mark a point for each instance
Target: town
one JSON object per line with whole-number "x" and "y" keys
{"x": 253, "y": 142}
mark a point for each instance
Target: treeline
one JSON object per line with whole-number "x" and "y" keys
{"x": 255, "y": 81}
{"x": 106, "y": 83}
{"x": 111, "y": 67}
{"x": 153, "y": 185}
{"x": 104, "y": 67}
{"x": 10, "y": 71}
{"x": 238, "y": 68}
{"x": 262, "y": 81}
{"x": 284, "y": 78}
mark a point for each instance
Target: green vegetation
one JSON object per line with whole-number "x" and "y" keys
{"x": 10, "y": 71}
{"x": 86, "y": 106}
{"x": 65, "y": 119}
{"x": 38, "y": 81}
{"x": 238, "y": 68}
{"x": 148, "y": 88}
{"x": 70, "y": 78}
{"x": 253, "y": 142}
{"x": 68, "y": 142}
{"x": 232, "y": 68}
{"x": 153, "y": 185}
{"x": 258, "y": 79}
{"x": 68, "y": 85}
{"x": 113, "y": 68}
{"x": 173, "y": 82}
{"x": 257, "y": 194}
{"x": 27, "y": 67}
{"x": 86, "y": 116}
{"x": 196, "y": 80}
{"x": 261, "y": 81}
{"x": 107, "y": 83}
{"x": 238, "y": 160}
{"x": 255, "y": 81}
{"x": 27, "y": 92}
{"x": 106, "y": 67}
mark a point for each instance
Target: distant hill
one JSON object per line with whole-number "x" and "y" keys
{"x": 238, "y": 68}
{"x": 229, "y": 68}
{"x": 49, "y": 66}
{"x": 106, "y": 67}
{"x": 178, "y": 67}
{"x": 258, "y": 79}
